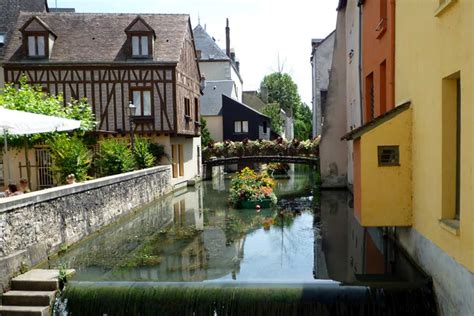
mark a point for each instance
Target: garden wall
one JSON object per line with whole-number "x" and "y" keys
{"x": 39, "y": 223}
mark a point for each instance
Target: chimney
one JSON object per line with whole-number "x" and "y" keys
{"x": 264, "y": 93}
{"x": 227, "y": 38}
{"x": 237, "y": 65}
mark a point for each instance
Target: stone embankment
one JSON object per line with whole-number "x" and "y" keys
{"x": 35, "y": 225}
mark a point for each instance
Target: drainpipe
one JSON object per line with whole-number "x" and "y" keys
{"x": 360, "y": 4}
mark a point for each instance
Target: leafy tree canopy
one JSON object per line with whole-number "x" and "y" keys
{"x": 303, "y": 122}
{"x": 273, "y": 110}
{"x": 30, "y": 98}
{"x": 282, "y": 90}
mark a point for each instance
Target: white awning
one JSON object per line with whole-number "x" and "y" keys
{"x": 24, "y": 123}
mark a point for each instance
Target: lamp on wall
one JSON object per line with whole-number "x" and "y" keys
{"x": 132, "y": 109}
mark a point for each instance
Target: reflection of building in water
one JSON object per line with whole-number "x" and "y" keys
{"x": 218, "y": 180}
{"x": 208, "y": 254}
{"x": 344, "y": 250}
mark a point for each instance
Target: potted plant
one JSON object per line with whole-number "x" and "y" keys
{"x": 249, "y": 189}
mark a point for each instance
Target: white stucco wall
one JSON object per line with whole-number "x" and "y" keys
{"x": 215, "y": 127}
{"x": 192, "y": 159}
{"x": 237, "y": 83}
{"x": 216, "y": 70}
{"x": 352, "y": 78}
{"x": 222, "y": 70}
{"x": 321, "y": 66}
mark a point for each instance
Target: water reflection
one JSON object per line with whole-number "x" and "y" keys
{"x": 347, "y": 252}
{"x": 194, "y": 235}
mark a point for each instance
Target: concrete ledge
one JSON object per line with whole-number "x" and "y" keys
{"x": 18, "y": 201}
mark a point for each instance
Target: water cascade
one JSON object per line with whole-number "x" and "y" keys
{"x": 236, "y": 298}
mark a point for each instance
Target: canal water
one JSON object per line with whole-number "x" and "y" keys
{"x": 194, "y": 237}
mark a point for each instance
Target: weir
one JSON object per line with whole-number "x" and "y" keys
{"x": 244, "y": 298}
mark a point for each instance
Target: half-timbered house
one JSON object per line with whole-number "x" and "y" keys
{"x": 115, "y": 59}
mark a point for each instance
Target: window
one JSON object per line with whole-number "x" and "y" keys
{"x": 458, "y": 149}
{"x": 196, "y": 109}
{"x": 2, "y": 39}
{"x": 369, "y": 98}
{"x": 241, "y": 126}
{"x": 388, "y": 156}
{"x": 142, "y": 100}
{"x": 187, "y": 108}
{"x": 264, "y": 127}
{"x": 443, "y": 6}
{"x": 140, "y": 46}
{"x": 451, "y": 143}
{"x": 177, "y": 160}
{"x": 383, "y": 88}
{"x": 36, "y": 46}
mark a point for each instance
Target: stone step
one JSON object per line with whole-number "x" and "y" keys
{"x": 28, "y": 298}
{"x": 24, "y": 310}
{"x": 34, "y": 285}
{"x": 37, "y": 280}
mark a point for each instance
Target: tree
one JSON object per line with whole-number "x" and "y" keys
{"x": 303, "y": 122}
{"x": 205, "y": 135}
{"x": 70, "y": 156}
{"x": 283, "y": 90}
{"x": 273, "y": 110}
{"x": 32, "y": 99}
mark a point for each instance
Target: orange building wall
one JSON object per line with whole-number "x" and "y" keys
{"x": 378, "y": 55}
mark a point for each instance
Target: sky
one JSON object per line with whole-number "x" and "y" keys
{"x": 267, "y": 35}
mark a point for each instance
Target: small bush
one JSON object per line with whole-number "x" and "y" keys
{"x": 70, "y": 156}
{"x": 115, "y": 156}
{"x": 142, "y": 154}
{"x": 158, "y": 151}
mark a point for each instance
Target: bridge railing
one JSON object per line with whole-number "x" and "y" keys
{"x": 277, "y": 147}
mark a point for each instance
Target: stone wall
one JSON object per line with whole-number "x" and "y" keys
{"x": 39, "y": 223}
{"x": 453, "y": 283}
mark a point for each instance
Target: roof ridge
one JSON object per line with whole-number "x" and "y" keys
{"x": 100, "y": 13}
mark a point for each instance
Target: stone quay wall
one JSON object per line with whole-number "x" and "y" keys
{"x": 35, "y": 225}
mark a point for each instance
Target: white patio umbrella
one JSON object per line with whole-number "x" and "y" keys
{"x": 14, "y": 122}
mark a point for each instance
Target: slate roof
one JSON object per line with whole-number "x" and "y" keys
{"x": 252, "y": 99}
{"x": 100, "y": 38}
{"x": 9, "y": 10}
{"x": 246, "y": 106}
{"x": 211, "y": 100}
{"x": 208, "y": 47}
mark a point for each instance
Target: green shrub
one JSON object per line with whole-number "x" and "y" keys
{"x": 143, "y": 156}
{"x": 115, "y": 156}
{"x": 158, "y": 151}
{"x": 70, "y": 156}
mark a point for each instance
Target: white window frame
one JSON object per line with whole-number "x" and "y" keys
{"x": 140, "y": 45}
{"x": 241, "y": 127}
{"x": 142, "y": 103}
{"x": 36, "y": 45}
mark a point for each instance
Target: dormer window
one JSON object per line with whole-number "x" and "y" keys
{"x": 38, "y": 38}
{"x": 36, "y": 46}
{"x": 140, "y": 37}
{"x": 140, "y": 46}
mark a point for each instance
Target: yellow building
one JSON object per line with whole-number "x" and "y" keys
{"x": 426, "y": 189}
